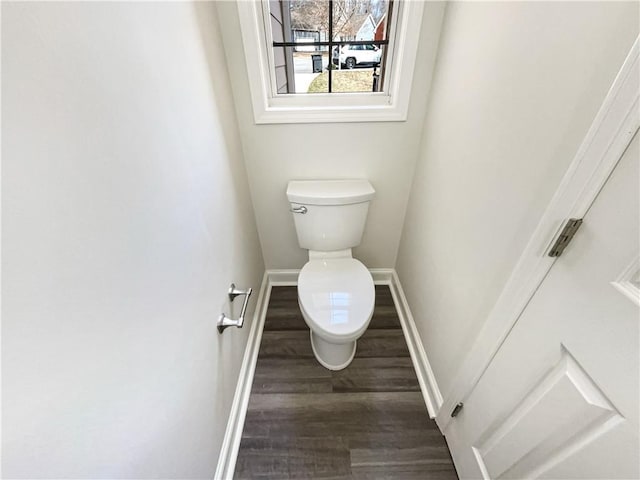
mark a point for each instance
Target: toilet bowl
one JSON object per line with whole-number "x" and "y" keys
{"x": 335, "y": 291}
{"x": 336, "y": 298}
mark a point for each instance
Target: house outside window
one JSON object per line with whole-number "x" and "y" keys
{"x": 330, "y": 60}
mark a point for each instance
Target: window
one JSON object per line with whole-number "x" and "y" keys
{"x": 330, "y": 60}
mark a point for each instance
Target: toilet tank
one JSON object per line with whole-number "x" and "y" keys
{"x": 335, "y": 212}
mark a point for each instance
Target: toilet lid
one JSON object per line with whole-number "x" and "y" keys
{"x": 337, "y": 295}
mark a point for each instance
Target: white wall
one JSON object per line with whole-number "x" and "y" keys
{"x": 516, "y": 87}
{"x": 384, "y": 153}
{"x": 126, "y": 215}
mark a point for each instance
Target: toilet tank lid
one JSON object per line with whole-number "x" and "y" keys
{"x": 330, "y": 192}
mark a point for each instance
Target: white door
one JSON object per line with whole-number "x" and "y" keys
{"x": 560, "y": 398}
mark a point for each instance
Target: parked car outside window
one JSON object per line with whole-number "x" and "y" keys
{"x": 354, "y": 55}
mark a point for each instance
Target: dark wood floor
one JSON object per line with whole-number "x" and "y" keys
{"x": 366, "y": 421}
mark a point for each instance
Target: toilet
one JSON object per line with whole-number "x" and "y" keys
{"x": 335, "y": 291}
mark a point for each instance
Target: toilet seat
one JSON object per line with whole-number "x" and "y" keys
{"x": 337, "y": 297}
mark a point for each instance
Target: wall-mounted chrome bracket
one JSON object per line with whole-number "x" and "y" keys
{"x": 223, "y": 320}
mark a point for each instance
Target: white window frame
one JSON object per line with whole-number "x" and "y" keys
{"x": 387, "y": 106}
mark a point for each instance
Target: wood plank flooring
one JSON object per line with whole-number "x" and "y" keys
{"x": 364, "y": 422}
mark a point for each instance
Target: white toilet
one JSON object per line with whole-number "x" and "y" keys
{"x": 335, "y": 291}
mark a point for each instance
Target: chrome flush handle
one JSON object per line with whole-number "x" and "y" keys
{"x": 301, "y": 209}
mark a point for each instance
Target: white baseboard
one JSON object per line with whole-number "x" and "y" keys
{"x": 235, "y": 424}
{"x": 426, "y": 378}
{"x": 283, "y": 278}
{"x": 382, "y": 276}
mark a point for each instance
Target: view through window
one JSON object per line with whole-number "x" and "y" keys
{"x": 330, "y": 46}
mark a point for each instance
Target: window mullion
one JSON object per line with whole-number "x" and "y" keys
{"x": 330, "y": 56}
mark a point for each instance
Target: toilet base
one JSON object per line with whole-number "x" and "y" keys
{"x": 334, "y": 356}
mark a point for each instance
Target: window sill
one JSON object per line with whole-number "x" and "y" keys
{"x": 321, "y": 108}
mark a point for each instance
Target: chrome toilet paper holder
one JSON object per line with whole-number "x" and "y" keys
{"x": 224, "y": 321}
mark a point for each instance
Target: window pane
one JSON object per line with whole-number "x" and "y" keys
{"x": 365, "y": 76}
{"x": 282, "y": 58}
{"x": 309, "y": 20}
{"x": 360, "y": 19}
{"x": 308, "y": 66}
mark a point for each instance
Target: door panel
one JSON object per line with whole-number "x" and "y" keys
{"x": 560, "y": 398}
{"x": 565, "y": 409}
